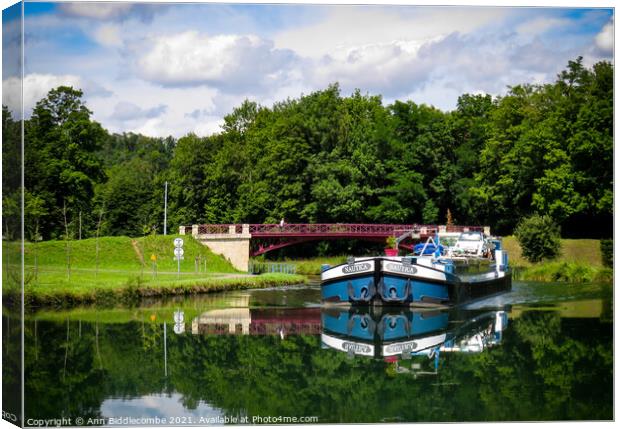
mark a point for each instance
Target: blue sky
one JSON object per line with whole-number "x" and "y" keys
{"x": 170, "y": 69}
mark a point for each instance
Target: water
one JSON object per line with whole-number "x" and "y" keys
{"x": 541, "y": 352}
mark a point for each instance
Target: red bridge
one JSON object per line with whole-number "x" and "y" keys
{"x": 266, "y": 237}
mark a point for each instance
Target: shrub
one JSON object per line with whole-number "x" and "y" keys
{"x": 539, "y": 237}
{"x": 607, "y": 251}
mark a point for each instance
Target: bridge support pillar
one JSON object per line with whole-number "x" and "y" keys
{"x": 234, "y": 247}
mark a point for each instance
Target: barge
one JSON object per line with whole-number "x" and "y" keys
{"x": 419, "y": 281}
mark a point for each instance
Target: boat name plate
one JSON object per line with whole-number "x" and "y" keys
{"x": 356, "y": 348}
{"x": 356, "y": 268}
{"x": 401, "y": 268}
{"x": 402, "y": 347}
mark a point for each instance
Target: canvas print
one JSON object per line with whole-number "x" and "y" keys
{"x": 301, "y": 214}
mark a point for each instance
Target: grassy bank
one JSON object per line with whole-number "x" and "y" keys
{"x": 122, "y": 270}
{"x": 312, "y": 266}
{"x": 579, "y": 261}
{"x": 572, "y": 272}
{"x": 580, "y": 251}
{"x": 126, "y": 254}
{"x": 134, "y": 289}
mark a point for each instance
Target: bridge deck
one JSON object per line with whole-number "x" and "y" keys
{"x": 330, "y": 229}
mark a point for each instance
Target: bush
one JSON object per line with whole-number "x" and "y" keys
{"x": 539, "y": 237}
{"x": 607, "y": 251}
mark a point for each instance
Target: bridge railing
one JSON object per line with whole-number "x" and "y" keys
{"x": 300, "y": 229}
{"x": 326, "y": 228}
{"x": 256, "y": 267}
{"x": 219, "y": 228}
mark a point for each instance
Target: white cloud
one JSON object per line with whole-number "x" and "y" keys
{"x": 108, "y": 35}
{"x": 605, "y": 39}
{"x": 138, "y": 106}
{"x": 96, "y": 10}
{"x": 232, "y": 61}
{"x": 170, "y": 63}
{"x": 36, "y": 87}
{"x": 379, "y": 67}
{"x": 345, "y": 27}
{"x": 125, "y": 111}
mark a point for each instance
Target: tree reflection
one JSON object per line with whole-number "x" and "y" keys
{"x": 547, "y": 368}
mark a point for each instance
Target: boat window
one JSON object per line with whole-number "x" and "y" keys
{"x": 470, "y": 236}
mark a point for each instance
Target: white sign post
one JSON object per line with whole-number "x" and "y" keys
{"x": 178, "y": 254}
{"x": 179, "y": 322}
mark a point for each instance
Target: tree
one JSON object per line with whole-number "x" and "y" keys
{"x": 62, "y": 166}
{"x": 539, "y": 238}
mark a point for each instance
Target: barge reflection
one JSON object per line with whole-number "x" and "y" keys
{"x": 403, "y": 334}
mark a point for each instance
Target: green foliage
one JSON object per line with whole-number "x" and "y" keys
{"x": 539, "y": 237}
{"x": 61, "y": 162}
{"x": 430, "y": 214}
{"x": 607, "y": 250}
{"x": 390, "y": 242}
{"x": 550, "y": 150}
{"x": 325, "y": 157}
{"x": 570, "y": 272}
{"x": 11, "y": 176}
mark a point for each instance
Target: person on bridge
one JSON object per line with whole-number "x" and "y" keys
{"x": 282, "y": 223}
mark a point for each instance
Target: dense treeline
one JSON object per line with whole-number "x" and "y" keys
{"x": 544, "y": 149}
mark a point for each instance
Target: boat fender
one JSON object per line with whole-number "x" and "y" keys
{"x": 407, "y": 323}
{"x": 381, "y": 287}
{"x": 366, "y": 292}
{"x": 392, "y": 291}
{"x": 371, "y": 289}
{"x": 366, "y": 323}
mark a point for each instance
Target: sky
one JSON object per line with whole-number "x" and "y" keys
{"x": 171, "y": 69}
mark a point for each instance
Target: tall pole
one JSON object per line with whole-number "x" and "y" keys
{"x": 166, "y": 209}
{"x": 165, "y": 352}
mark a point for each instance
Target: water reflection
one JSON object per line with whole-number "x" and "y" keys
{"x": 516, "y": 362}
{"x": 256, "y": 321}
{"x": 400, "y": 334}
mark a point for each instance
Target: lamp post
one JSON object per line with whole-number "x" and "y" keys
{"x": 166, "y": 208}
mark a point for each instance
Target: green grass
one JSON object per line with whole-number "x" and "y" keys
{"x": 580, "y": 261}
{"x": 124, "y": 253}
{"x": 572, "y": 272}
{"x": 130, "y": 291}
{"x": 312, "y": 266}
{"x": 124, "y": 271}
{"x": 585, "y": 251}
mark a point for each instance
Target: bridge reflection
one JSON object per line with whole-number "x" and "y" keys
{"x": 258, "y": 321}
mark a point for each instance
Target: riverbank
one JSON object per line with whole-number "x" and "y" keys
{"x": 572, "y": 272}
{"x": 72, "y": 292}
{"x": 122, "y": 270}
{"x": 580, "y": 261}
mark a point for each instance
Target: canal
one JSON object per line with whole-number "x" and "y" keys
{"x": 540, "y": 352}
